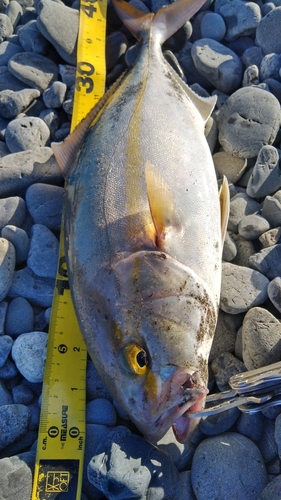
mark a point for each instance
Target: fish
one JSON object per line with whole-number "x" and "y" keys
{"x": 144, "y": 224}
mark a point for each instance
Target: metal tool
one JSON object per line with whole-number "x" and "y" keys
{"x": 251, "y": 391}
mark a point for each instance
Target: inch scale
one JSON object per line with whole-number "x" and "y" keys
{"x": 61, "y": 438}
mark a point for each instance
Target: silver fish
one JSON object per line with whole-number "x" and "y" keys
{"x": 144, "y": 232}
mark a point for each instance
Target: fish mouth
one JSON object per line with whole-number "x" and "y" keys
{"x": 192, "y": 399}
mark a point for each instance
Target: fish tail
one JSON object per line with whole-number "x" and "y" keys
{"x": 161, "y": 25}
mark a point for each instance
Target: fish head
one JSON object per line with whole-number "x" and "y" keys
{"x": 154, "y": 333}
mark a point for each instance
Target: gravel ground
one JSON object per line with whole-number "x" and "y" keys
{"x": 232, "y": 48}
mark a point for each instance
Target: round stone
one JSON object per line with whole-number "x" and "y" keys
{"x": 44, "y": 252}
{"x": 53, "y": 97}
{"x": 12, "y": 211}
{"x": 19, "y": 318}
{"x": 12, "y": 103}
{"x": 29, "y": 354}
{"x": 44, "y": 203}
{"x": 241, "y": 18}
{"x": 8, "y": 49}
{"x": 267, "y": 261}
{"x": 213, "y": 26}
{"x": 27, "y": 133}
{"x": 7, "y": 267}
{"x": 252, "y": 226}
{"x": 6, "y": 28}
{"x": 271, "y": 209}
{"x": 33, "y": 69}
{"x": 19, "y": 239}
{"x": 230, "y": 166}
{"x": 265, "y": 178}
{"x": 274, "y": 292}
{"x": 268, "y": 32}
{"x": 14, "y": 420}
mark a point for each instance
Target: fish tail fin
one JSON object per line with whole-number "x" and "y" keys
{"x": 163, "y": 24}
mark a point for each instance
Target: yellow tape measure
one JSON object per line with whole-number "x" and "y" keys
{"x": 61, "y": 438}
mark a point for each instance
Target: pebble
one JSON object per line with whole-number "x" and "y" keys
{"x": 252, "y": 226}
{"x": 241, "y": 205}
{"x": 271, "y": 209}
{"x": 241, "y": 18}
{"x": 7, "y": 80}
{"x": 5, "y": 396}
{"x": 31, "y": 39}
{"x": 7, "y": 50}
{"x": 222, "y": 465}
{"x": 100, "y": 411}
{"x": 218, "y": 64}
{"x": 19, "y": 239}
{"x": 18, "y": 171}
{"x": 16, "y": 476}
{"x": 52, "y": 120}
{"x": 267, "y": 261}
{"x": 8, "y": 371}
{"x": 277, "y": 434}
{"x": 270, "y": 66}
{"x": 241, "y": 288}
{"x": 29, "y": 354}
{"x": 14, "y": 12}
{"x": 267, "y": 34}
{"x": 267, "y": 443}
{"x": 271, "y": 237}
{"x": 218, "y": 423}
{"x": 265, "y": 178}
{"x": 26, "y": 133}
{"x": 248, "y": 120}
{"x": 3, "y": 311}
{"x": 30, "y": 286}
{"x": 6, "y": 343}
{"x": 213, "y": 26}
{"x": 229, "y": 249}
{"x": 274, "y": 292}
{"x": 225, "y": 366}
{"x": 225, "y": 334}
{"x": 62, "y": 35}
{"x": 7, "y": 266}
{"x": 261, "y": 338}
{"x": 116, "y": 46}
{"x": 251, "y": 76}
{"x": 251, "y": 425}
{"x": 12, "y": 211}
{"x": 22, "y": 394}
{"x": 6, "y": 28}
{"x": 44, "y": 252}
{"x": 33, "y": 69}
{"x": 14, "y": 420}
{"x": 252, "y": 56}
{"x": 53, "y": 97}
{"x": 12, "y": 103}
{"x": 68, "y": 74}
{"x": 230, "y": 166}
{"x": 272, "y": 490}
{"x": 44, "y": 203}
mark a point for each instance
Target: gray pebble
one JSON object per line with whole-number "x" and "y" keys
{"x": 271, "y": 237}
{"x": 12, "y": 211}
{"x": 26, "y": 133}
{"x": 271, "y": 209}
{"x": 268, "y": 30}
{"x": 19, "y": 239}
{"x": 31, "y": 39}
{"x": 12, "y": 103}
{"x": 248, "y": 120}
{"x": 251, "y": 76}
{"x": 8, "y": 371}
{"x": 229, "y": 249}
{"x": 3, "y": 150}
{"x": 7, "y": 266}
{"x": 221, "y": 465}
{"x": 270, "y": 66}
{"x": 242, "y": 288}
{"x": 274, "y": 87}
{"x": 44, "y": 203}
{"x": 274, "y": 292}
{"x": 5, "y": 396}
{"x": 68, "y": 74}
{"x": 252, "y": 226}
{"x": 29, "y": 354}
{"x": 261, "y": 338}
{"x": 251, "y": 425}
{"x": 220, "y": 65}
{"x": 272, "y": 490}
{"x": 267, "y": 443}
{"x": 245, "y": 249}
{"x": 59, "y": 25}
{"x": 213, "y": 26}
{"x": 14, "y": 420}
{"x": 16, "y": 476}
{"x": 62, "y": 132}
{"x": 218, "y": 423}
{"x": 14, "y": 12}
{"x": 100, "y": 411}
{"x": 116, "y": 46}
{"x": 267, "y": 261}
{"x": 230, "y": 166}
{"x": 277, "y": 433}
{"x": 22, "y": 394}
{"x": 7, "y": 50}
{"x": 252, "y": 56}
{"x": 225, "y": 334}
{"x": 241, "y": 18}
{"x": 3, "y": 312}
{"x": 223, "y": 367}
{"x": 6, "y": 28}
{"x": 52, "y": 120}
{"x": 6, "y": 343}
{"x": 241, "y": 205}
{"x": 44, "y": 252}
{"x": 38, "y": 290}
{"x": 53, "y": 97}
{"x": 33, "y": 69}
{"x": 265, "y": 178}
{"x": 8, "y": 81}
{"x": 20, "y": 170}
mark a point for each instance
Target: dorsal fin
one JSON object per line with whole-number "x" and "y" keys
{"x": 162, "y": 207}
{"x": 66, "y": 152}
{"x": 224, "y": 204}
{"x": 163, "y": 24}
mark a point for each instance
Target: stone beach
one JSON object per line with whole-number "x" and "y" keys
{"x": 232, "y": 49}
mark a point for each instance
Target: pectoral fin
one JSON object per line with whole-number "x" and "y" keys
{"x": 224, "y": 203}
{"x": 162, "y": 207}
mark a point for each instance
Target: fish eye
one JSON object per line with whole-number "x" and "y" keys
{"x": 136, "y": 358}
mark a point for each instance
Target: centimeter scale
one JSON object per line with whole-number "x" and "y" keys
{"x": 60, "y": 448}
